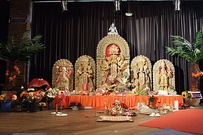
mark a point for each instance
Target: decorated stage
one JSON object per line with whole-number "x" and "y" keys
{"x": 128, "y": 101}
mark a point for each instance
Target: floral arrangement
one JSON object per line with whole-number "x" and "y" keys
{"x": 186, "y": 95}
{"x": 41, "y": 105}
{"x": 51, "y": 93}
{"x": 31, "y": 94}
{"x": 8, "y": 97}
{"x": 191, "y": 95}
{"x": 59, "y": 98}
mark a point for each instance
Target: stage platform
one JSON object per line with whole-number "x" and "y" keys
{"x": 128, "y": 101}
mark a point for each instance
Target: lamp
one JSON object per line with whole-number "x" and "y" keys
{"x": 117, "y": 5}
{"x": 64, "y": 5}
{"x": 128, "y": 12}
{"x": 177, "y": 5}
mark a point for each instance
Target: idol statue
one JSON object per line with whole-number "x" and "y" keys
{"x": 113, "y": 73}
{"x": 62, "y": 75}
{"x": 84, "y": 78}
{"x": 112, "y": 29}
{"x": 62, "y": 80}
{"x": 141, "y": 70}
{"x": 163, "y": 76}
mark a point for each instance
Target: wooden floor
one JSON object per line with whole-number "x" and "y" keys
{"x": 79, "y": 122}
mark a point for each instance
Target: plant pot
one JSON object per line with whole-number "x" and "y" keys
{"x": 32, "y": 106}
{"x": 192, "y": 102}
{"x": 49, "y": 107}
{"x": 6, "y": 106}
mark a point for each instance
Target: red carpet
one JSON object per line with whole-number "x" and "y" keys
{"x": 190, "y": 120}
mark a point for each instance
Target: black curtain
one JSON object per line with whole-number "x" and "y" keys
{"x": 78, "y": 31}
{"x": 4, "y": 17}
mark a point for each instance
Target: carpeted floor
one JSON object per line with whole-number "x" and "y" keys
{"x": 189, "y": 120}
{"x": 168, "y": 131}
{"x": 23, "y": 134}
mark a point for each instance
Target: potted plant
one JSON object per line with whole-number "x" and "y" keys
{"x": 11, "y": 53}
{"x": 192, "y": 53}
{"x": 50, "y": 94}
{"x": 6, "y": 100}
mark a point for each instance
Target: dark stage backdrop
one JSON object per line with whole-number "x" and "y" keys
{"x": 4, "y": 17}
{"x": 68, "y": 35}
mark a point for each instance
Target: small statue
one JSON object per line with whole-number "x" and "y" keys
{"x": 62, "y": 80}
{"x": 164, "y": 75}
{"x": 112, "y": 29}
{"x": 85, "y": 75}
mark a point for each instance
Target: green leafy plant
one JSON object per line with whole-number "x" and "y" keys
{"x": 192, "y": 52}
{"x": 11, "y": 52}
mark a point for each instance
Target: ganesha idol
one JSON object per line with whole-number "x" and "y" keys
{"x": 113, "y": 72}
{"x": 62, "y": 75}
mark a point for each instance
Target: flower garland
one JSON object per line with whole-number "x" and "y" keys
{"x": 198, "y": 74}
{"x": 11, "y": 74}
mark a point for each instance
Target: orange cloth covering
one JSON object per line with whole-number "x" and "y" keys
{"x": 127, "y": 101}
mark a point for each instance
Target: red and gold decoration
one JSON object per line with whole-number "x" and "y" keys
{"x": 196, "y": 73}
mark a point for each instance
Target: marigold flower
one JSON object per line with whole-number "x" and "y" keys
{"x": 6, "y": 74}
{"x": 10, "y": 78}
{"x": 15, "y": 67}
{"x": 24, "y": 93}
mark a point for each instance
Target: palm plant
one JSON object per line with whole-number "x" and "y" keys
{"x": 11, "y": 52}
{"x": 191, "y": 52}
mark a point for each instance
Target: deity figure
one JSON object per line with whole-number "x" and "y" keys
{"x": 62, "y": 80}
{"x": 141, "y": 79}
{"x": 112, "y": 29}
{"x": 143, "y": 74}
{"x": 112, "y": 59}
{"x": 85, "y": 75}
{"x": 104, "y": 66}
{"x": 164, "y": 76}
{"x": 115, "y": 71}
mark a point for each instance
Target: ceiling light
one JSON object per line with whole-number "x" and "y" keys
{"x": 177, "y": 5}
{"x": 64, "y": 5}
{"x": 128, "y": 14}
{"x": 117, "y": 5}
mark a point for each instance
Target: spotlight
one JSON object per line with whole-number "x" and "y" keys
{"x": 177, "y": 5}
{"x": 117, "y": 5}
{"x": 128, "y": 12}
{"x": 64, "y": 5}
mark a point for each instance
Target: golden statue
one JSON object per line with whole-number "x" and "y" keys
{"x": 163, "y": 75}
{"x": 85, "y": 75}
{"x": 141, "y": 70}
{"x": 62, "y": 75}
{"x": 113, "y": 71}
